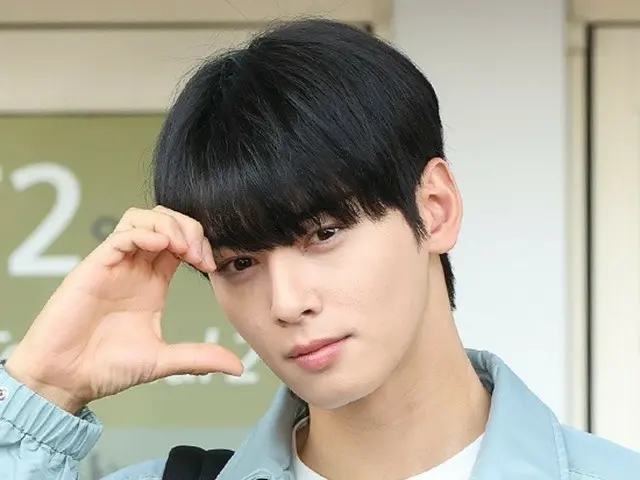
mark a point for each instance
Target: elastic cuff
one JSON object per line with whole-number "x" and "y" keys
{"x": 46, "y": 423}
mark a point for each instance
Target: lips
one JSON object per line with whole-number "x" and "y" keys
{"x": 314, "y": 346}
{"x": 320, "y": 355}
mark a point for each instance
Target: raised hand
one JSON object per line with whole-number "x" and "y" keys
{"x": 101, "y": 331}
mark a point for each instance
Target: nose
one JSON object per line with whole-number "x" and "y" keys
{"x": 293, "y": 297}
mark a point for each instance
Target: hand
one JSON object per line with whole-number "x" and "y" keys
{"x": 101, "y": 331}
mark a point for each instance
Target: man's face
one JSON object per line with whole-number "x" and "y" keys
{"x": 362, "y": 289}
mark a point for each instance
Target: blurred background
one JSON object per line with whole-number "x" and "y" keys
{"x": 540, "y": 104}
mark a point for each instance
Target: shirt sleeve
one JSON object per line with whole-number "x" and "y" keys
{"x": 37, "y": 438}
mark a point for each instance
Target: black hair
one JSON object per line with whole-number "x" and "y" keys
{"x": 310, "y": 118}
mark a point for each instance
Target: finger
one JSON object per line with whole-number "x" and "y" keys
{"x": 197, "y": 359}
{"x": 167, "y": 264}
{"x": 119, "y": 244}
{"x": 136, "y": 218}
{"x": 194, "y": 233}
{"x": 207, "y": 253}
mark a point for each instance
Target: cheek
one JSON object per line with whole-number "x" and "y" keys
{"x": 245, "y": 307}
{"x": 381, "y": 283}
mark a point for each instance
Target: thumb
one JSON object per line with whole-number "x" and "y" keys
{"x": 197, "y": 359}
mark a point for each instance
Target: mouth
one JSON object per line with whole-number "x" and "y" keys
{"x": 314, "y": 346}
{"x": 319, "y": 354}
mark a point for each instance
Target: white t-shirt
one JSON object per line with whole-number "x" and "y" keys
{"x": 458, "y": 467}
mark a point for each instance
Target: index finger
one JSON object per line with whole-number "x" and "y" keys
{"x": 194, "y": 232}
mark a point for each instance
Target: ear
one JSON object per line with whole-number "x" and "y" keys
{"x": 440, "y": 206}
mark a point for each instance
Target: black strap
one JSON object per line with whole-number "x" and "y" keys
{"x": 194, "y": 463}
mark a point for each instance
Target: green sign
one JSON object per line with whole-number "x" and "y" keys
{"x": 64, "y": 183}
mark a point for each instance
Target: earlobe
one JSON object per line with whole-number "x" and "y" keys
{"x": 440, "y": 205}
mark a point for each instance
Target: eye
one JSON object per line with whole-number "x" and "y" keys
{"x": 242, "y": 263}
{"x": 325, "y": 234}
{"x": 236, "y": 265}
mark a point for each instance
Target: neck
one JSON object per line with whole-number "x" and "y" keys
{"x": 432, "y": 408}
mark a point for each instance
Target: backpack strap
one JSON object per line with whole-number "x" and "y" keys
{"x": 194, "y": 463}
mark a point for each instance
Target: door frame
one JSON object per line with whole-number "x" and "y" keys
{"x": 119, "y": 17}
{"x": 215, "y": 13}
{"x": 583, "y": 18}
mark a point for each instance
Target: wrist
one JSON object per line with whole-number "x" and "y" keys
{"x": 55, "y": 395}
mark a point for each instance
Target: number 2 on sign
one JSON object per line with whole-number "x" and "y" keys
{"x": 29, "y": 258}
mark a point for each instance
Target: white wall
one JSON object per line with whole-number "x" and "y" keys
{"x": 499, "y": 69}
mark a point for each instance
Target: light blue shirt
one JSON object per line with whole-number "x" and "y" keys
{"x": 523, "y": 439}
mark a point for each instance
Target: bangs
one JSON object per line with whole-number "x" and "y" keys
{"x": 252, "y": 202}
{"x": 265, "y": 212}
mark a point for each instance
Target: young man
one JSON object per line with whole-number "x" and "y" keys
{"x": 312, "y": 162}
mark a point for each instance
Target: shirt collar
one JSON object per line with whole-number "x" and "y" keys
{"x": 523, "y": 438}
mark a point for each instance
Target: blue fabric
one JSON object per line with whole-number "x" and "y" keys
{"x": 523, "y": 439}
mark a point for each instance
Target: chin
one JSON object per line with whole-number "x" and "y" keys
{"x": 332, "y": 393}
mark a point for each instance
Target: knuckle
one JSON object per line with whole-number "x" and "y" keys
{"x": 131, "y": 212}
{"x": 193, "y": 231}
{"x": 187, "y": 225}
{"x": 196, "y": 228}
{"x": 115, "y": 236}
{"x": 170, "y": 222}
{"x": 128, "y": 218}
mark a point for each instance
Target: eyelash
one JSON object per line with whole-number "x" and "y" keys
{"x": 224, "y": 268}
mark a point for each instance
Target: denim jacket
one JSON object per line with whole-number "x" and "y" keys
{"x": 523, "y": 439}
